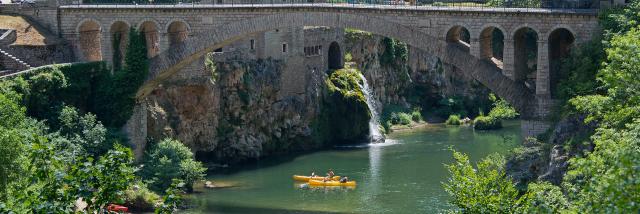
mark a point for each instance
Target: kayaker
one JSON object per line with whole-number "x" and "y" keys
{"x": 313, "y": 174}
{"x": 330, "y": 173}
{"x": 327, "y": 178}
{"x": 344, "y": 179}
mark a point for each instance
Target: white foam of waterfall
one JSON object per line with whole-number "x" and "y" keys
{"x": 374, "y": 129}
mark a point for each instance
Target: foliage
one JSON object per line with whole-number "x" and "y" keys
{"x": 395, "y": 52}
{"x": 486, "y": 189}
{"x": 85, "y": 130}
{"x": 486, "y": 123}
{"x": 171, "y": 199}
{"x": 515, "y": 3}
{"x": 416, "y": 116}
{"x": 139, "y": 198}
{"x": 453, "y": 120}
{"x": 115, "y": 98}
{"x": 168, "y": 160}
{"x": 501, "y": 109}
{"x": 577, "y": 74}
{"x": 400, "y": 118}
{"x": 544, "y": 197}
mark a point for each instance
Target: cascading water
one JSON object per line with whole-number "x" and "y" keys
{"x": 374, "y": 129}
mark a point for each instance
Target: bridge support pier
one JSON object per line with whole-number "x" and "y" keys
{"x": 508, "y": 68}
{"x": 542, "y": 74}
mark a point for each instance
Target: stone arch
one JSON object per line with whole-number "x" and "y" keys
{"x": 460, "y": 36}
{"x": 561, "y": 41}
{"x": 181, "y": 55}
{"x": 525, "y": 56}
{"x": 177, "y": 32}
{"x": 89, "y": 34}
{"x": 491, "y": 41}
{"x": 335, "y": 56}
{"x": 119, "y": 35}
{"x": 151, "y": 34}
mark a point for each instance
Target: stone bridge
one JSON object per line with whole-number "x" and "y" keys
{"x": 178, "y": 35}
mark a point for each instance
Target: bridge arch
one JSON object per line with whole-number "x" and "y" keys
{"x": 335, "y": 56}
{"x": 119, "y": 35}
{"x": 170, "y": 62}
{"x": 89, "y": 34}
{"x": 491, "y": 40}
{"x": 151, "y": 34}
{"x": 525, "y": 56}
{"x": 561, "y": 41}
{"x": 459, "y": 35}
{"x": 177, "y": 32}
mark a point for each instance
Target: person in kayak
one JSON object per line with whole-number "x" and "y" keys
{"x": 344, "y": 179}
{"x": 330, "y": 173}
{"x": 313, "y": 174}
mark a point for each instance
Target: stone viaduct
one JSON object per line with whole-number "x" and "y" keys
{"x": 178, "y": 35}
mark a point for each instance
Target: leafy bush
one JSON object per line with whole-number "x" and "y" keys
{"x": 168, "y": 160}
{"x": 486, "y": 189}
{"x": 85, "y": 131}
{"x": 139, "y": 198}
{"x": 453, "y": 120}
{"x": 416, "y": 116}
{"x": 501, "y": 109}
{"x": 486, "y": 123}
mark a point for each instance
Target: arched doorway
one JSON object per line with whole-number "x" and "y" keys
{"x": 560, "y": 43}
{"x": 177, "y": 32}
{"x": 335, "y": 56}
{"x": 491, "y": 44}
{"x": 525, "y": 57}
{"x": 89, "y": 40}
{"x": 150, "y": 31}
{"x": 459, "y": 36}
{"x": 119, "y": 38}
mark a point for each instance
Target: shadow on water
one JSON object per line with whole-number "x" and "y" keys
{"x": 237, "y": 208}
{"x": 275, "y": 160}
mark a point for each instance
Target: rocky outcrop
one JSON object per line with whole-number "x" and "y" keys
{"x": 417, "y": 79}
{"x": 548, "y": 161}
{"x": 234, "y": 113}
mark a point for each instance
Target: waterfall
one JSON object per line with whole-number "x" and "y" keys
{"x": 374, "y": 129}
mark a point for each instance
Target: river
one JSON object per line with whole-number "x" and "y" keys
{"x": 402, "y": 175}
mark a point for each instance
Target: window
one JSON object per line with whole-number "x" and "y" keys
{"x": 253, "y": 44}
{"x": 284, "y": 47}
{"x": 313, "y": 50}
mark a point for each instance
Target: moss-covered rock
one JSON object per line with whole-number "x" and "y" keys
{"x": 453, "y": 120}
{"x": 345, "y": 112}
{"x": 486, "y": 123}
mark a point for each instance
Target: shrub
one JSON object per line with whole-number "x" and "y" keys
{"x": 453, "y": 120}
{"x": 139, "y": 198}
{"x": 405, "y": 119}
{"x": 416, "y": 115}
{"x": 501, "y": 109}
{"x": 486, "y": 123}
{"x": 168, "y": 160}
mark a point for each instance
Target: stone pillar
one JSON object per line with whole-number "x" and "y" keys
{"x": 542, "y": 74}
{"x": 474, "y": 48}
{"x": 164, "y": 41}
{"x": 532, "y": 128}
{"x": 136, "y": 130}
{"x": 486, "y": 47}
{"x": 106, "y": 47}
{"x": 508, "y": 59}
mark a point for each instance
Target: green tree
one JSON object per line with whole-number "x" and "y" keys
{"x": 168, "y": 160}
{"x": 486, "y": 189}
{"x": 84, "y": 130}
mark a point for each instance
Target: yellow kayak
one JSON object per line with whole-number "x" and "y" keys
{"x": 307, "y": 178}
{"x": 331, "y": 183}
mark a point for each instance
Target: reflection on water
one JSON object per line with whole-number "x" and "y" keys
{"x": 402, "y": 175}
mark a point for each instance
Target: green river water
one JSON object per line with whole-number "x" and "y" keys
{"x": 402, "y": 175}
